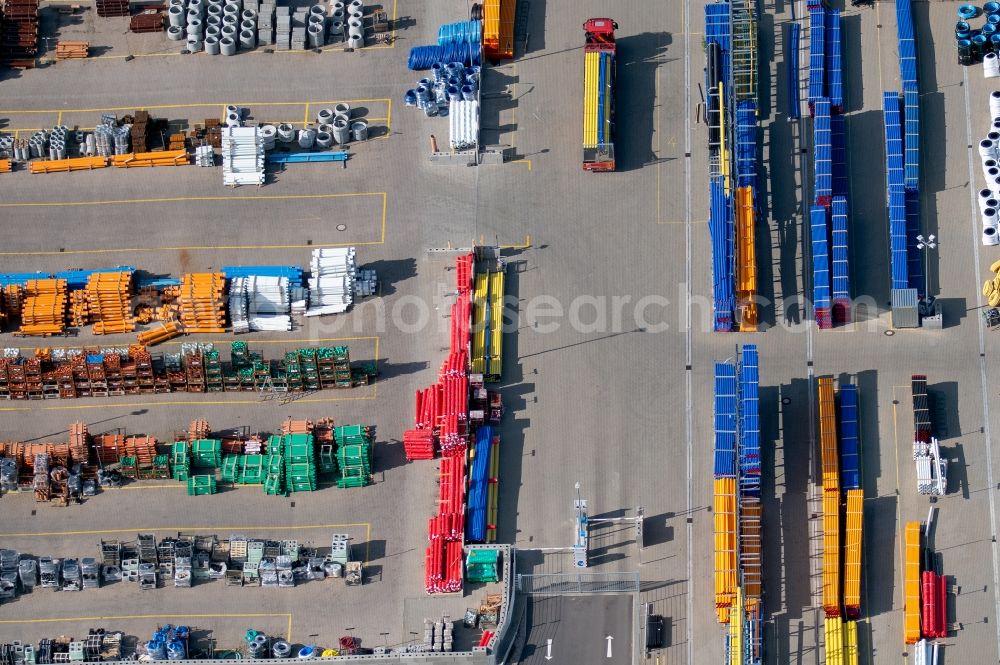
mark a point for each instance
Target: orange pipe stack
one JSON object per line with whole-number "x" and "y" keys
{"x": 164, "y": 158}
{"x": 66, "y": 165}
{"x": 498, "y": 28}
{"x": 109, "y": 299}
{"x": 831, "y": 497}
{"x": 852, "y": 553}
{"x": 724, "y": 511}
{"x": 43, "y": 311}
{"x": 5, "y": 166}
{"x": 72, "y": 50}
{"x": 202, "y": 308}
{"x": 160, "y": 334}
{"x": 911, "y": 584}
{"x": 79, "y": 442}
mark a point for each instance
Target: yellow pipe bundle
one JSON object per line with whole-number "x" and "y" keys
{"x": 109, "y": 300}
{"x": 66, "y": 165}
{"x": 479, "y": 301}
{"x": 496, "y": 323}
{"x": 164, "y": 158}
{"x": 831, "y": 553}
{"x": 725, "y": 546}
{"x": 851, "y": 643}
{"x": 828, "y": 436}
{"x": 852, "y": 551}
{"x": 833, "y": 630}
{"x": 591, "y": 86}
{"x": 746, "y": 266}
{"x": 202, "y": 308}
{"x": 911, "y": 583}
{"x": 43, "y": 310}
{"x": 161, "y": 333}
{"x": 736, "y": 631}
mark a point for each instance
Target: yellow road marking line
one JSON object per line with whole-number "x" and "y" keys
{"x": 305, "y": 117}
{"x": 181, "y": 199}
{"x": 194, "y": 105}
{"x": 125, "y": 617}
{"x": 250, "y": 528}
{"x": 526, "y": 245}
{"x": 388, "y": 113}
{"x": 291, "y": 340}
{"x": 103, "y": 404}
{"x": 523, "y": 161}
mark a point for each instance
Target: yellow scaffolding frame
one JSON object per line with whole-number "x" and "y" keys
{"x": 479, "y": 301}
{"x": 496, "y": 323}
{"x": 833, "y": 630}
{"x": 831, "y": 553}
{"x": 591, "y": 81}
{"x": 851, "y": 643}
{"x": 828, "y": 436}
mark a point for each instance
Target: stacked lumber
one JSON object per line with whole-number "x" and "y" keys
{"x": 177, "y": 141}
{"x": 161, "y": 333}
{"x": 202, "y": 305}
{"x": 109, "y": 299}
{"x": 19, "y": 38}
{"x": 43, "y": 311}
{"x": 109, "y": 447}
{"x": 199, "y": 429}
{"x": 164, "y": 158}
{"x": 111, "y": 8}
{"x": 66, "y": 165}
{"x": 72, "y": 50}
{"x": 142, "y": 448}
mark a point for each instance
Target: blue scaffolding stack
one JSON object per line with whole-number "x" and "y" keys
{"x": 817, "y": 56}
{"x": 914, "y": 259}
{"x": 717, "y": 32}
{"x": 841, "y": 281}
{"x": 794, "y": 101}
{"x": 894, "y": 170}
{"x": 821, "y": 266}
{"x": 838, "y": 137}
{"x": 911, "y": 134}
{"x": 850, "y": 447}
{"x": 746, "y": 144}
{"x": 834, "y": 74}
{"x": 823, "y": 152}
{"x": 725, "y": 420}
{"x": 749, "y": 456}
{"x": 723, "y": 276}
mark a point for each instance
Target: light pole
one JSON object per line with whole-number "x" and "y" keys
{"x": 925, "y": 245}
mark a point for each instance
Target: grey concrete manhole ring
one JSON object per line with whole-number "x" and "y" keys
{"x": 341, "y": 227}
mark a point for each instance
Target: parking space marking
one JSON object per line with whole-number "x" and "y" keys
{"x": 179, "y": 199}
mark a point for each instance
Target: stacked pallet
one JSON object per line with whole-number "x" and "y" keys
{"x": 72, "y": 50}
{"x": 109, "y": 301}
{"x": 140, "y": 130}
{"x": 43, "y": 311}
{"x": 142, "y": 448}
{"x": 79, "y": 443}
{"x": 143, "y": 159}
{"x": 354, "y": 455}
{"x": 911, "y": 583}
{"x": 109, "y": 447}
{"x": 19, "y": 36}
{"x": 111, "y": 8}
{"x": 202, "y": 306}
{"x": 79, "y": 312}
{"x": 177, "y": 141}
{"x": 148, "y": 20}
{"x": 331, "y": 284}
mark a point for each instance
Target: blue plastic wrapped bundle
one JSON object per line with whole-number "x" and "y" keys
{"x": 465, "y": 32}
{"x": 424, "y": 57}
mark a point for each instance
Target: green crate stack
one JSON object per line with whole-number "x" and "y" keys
{"x": 129, "y": 467}
{"x": 293, "y": 369}
{"x": 161, "y": 466}
{"x": 253, "y": 469}
{"x": 180, "y": 461}
{"x": 201, "y": 485}
{"x": 239, "y": 355}
{"x": 363, "y": 374}
{"x": 246, "y": 377}
{"x": 213, "y": 372}
{"x": 335, "y": 366}
{"x": 232, "y": 468}
{"x": 274, "y": 480}
{"x": 206, "y": 453}
{"x": 327, "y": 458}
{"x": 261, "y": 373}
{"x": 310, "y": 370}
{"x": 300, "y": 462}
{"x": 354, "y": 455}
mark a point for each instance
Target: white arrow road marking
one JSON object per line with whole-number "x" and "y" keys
{"x": 609, "y": 638}
{"x": 548, "y": 649}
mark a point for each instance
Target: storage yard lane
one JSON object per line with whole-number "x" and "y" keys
{"x": 565, "y": 630}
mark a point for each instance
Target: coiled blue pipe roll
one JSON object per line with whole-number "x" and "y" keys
{"x": 991, "y": 8}
{"x": 466, "y": 32}
{"x": 965, "y": 12}
{"x": 423, "y": 57}
{"x": 993, "y": 18}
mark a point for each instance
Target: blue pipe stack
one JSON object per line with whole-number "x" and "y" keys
{"x": 479, "y": 481}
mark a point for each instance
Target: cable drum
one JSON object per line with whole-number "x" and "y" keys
{"x": 341, "y": 131}
{"x": 285, "y": 133}
{"x": 268, "y": 134}
{"x": 359, "y": 130}
{"x": 249, "y": 15}
{"x": 342, "y": 108}
{"x": 991, "y": 69}
{"x": 336, "y": 28}
{"x": 422, "y": 57}
{"x": 307, "y": 138}
{"x": 465, "y": 32}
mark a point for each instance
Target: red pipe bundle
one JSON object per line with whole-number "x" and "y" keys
{"x": 485, "y": 639}
{"x": 934, "y": 608}
{"x": 463, "y": 273}
{"x": 418, "y": 444}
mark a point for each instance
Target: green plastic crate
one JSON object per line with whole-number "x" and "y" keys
{"x": 201, "y": 485}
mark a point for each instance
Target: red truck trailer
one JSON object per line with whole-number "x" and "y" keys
{"x": 599, "y": 53}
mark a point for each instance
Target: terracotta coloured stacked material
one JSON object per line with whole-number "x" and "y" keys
{"x": 19, "y": 36}
{"x": 43, "y": 310}
{"x": 79, "y": 443}
{"x": 109, "y": 302}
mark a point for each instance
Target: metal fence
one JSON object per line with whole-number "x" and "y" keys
{"x": 569, "y": 583}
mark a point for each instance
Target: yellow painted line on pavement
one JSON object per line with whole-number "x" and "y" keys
{"x": 263, "y": 197}
{"x": 126, "y": 617}
{"x": 525, "y": 245}
{"x": 260, "y": 402}
{"x": 193, "y": 105}
{"x": 185, "y": 529}
{"x": 523, "y": 161}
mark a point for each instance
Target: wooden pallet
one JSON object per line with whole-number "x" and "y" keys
{"x": 72, "y": 50}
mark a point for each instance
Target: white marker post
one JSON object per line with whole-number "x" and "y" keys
{"x": 609, "y": 638}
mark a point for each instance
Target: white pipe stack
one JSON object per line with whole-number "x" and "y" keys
{"x": 991, "y": 65}
{"x": 332, "y": 282}
{"x": 995, "y": 104}
{"x": 242, "y": 156}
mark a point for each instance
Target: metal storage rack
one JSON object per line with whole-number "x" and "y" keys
{"x": 840, "y": 261}
{"x": 817, "y": 55}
